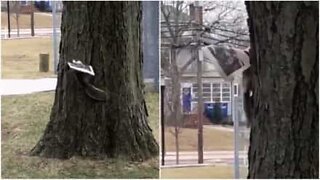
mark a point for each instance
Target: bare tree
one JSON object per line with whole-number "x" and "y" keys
{"x": 226, "y": 21}
{"x": 15, "y": 8}
{"x": 175, "y": 22}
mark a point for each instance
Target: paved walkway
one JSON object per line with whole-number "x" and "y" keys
{"x": 26, "y": 86}
{"x": 209, "y": 157}
{"x": 26, "y": 33}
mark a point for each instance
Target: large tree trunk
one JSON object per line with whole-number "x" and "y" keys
{"x": 106, "y": 35}
{"x": 284, "y": 141}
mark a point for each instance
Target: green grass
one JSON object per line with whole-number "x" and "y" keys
{"x": 23, "y": 121}
{"x": 207, "y": 172}
{"x": 20, "y": 58}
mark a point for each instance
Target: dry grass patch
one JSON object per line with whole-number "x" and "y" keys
{"x": 23, "y": 120}
{"x": 41, "y": 20}
{"x": 20, "y": 58}
{"x": 213, "y": 139}
{"x": 208, "y": 172}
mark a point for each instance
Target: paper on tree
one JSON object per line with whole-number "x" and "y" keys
{"x": 228, "y": 61}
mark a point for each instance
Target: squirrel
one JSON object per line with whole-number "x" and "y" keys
{"x": 248, "y": 91}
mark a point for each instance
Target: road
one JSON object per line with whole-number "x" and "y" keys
{"x": 26, "y": 33}
{"x": 209, "y": 157}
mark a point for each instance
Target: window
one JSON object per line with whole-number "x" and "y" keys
{"x": 206, "y": 92}
{"x": 235, "y": 90}
{"x": 226, "y": 92}
{"x": 216, "y": 92}
{"x": 213, "y": 92}
{"x": 23, "y": 3}
{"x": 195, "y": 92}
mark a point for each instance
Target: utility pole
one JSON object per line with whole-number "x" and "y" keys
{"x": 235, "y": 119}
{"x": 8, "y": 11}
{"x": 32, "y": 18}
{"x": 54, "y": 37}
{"x": 162, "y": 124}
{"x": 197, "y": 12}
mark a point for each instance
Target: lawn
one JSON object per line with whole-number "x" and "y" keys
{"x": 207, "y": 172}
{"x": 41, "y": 20}
{"x": 20, "y": 58}
{"x": 213, "y": 139}
{"x": 24, "y": 118}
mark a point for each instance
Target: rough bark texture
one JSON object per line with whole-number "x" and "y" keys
{"x": 284, "y": 141}
{"x": 106, "y": 35}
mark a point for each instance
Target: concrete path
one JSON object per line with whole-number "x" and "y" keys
{"x": 26, "y": 33}
{"x": 219, "y": 127}
{"x": 209, "y": 157}
{"x": 26, "y": 86}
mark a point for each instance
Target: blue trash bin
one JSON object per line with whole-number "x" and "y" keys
{"x": 224, "y": 109}
{"x": 209, "y": 110}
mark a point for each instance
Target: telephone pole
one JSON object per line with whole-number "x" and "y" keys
{"x": 54, "y": 37}
{"x": 8, "y": 11}
{"x": 196, "y": 12}
{"x": 32, "y": 18}
{"x": 163, "y": 152}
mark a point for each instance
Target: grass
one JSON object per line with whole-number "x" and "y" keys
{"x": 213, "y": 139}
{"x": 20, "y": 58}
{"x": 41, "y": 20}
{"x": 207, "y": 172}
{"x": 24, "y": 118}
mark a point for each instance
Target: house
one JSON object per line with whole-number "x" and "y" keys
{"x": 25, "y": 7}
{"x": 216, "y": 88}
{"x": 180, "y": 35}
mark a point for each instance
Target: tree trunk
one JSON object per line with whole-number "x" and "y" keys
{"x": 284, "y": 141}
{"x": 176, "y": 116}
{"x": 176, "y": 135}
{"x": 106, "y": 35}
{"x": 17, "y": 23}
{"x": 32, "y": 19}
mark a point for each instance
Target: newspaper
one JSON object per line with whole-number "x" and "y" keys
{"x": 227, "y": 60}
{"x": 79, "y": 66}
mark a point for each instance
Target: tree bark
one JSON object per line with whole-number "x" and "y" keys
{"x": 284, "y": 140}
{"x": 107, "y": 36}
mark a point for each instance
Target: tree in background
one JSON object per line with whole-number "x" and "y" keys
{"x": 15, "y": 7}
{"x": 111, "y": 123}
{"x": 284, "y": 140}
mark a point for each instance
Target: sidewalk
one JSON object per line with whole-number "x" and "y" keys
{"x": 190, "y": 158}
{"x": 26, "y": 86}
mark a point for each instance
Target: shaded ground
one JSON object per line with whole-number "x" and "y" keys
{"x": 24, "y": 117}
{"x": 20, "y": 58}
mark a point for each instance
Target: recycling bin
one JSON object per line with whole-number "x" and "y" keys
{"x": 212, "y": 114}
